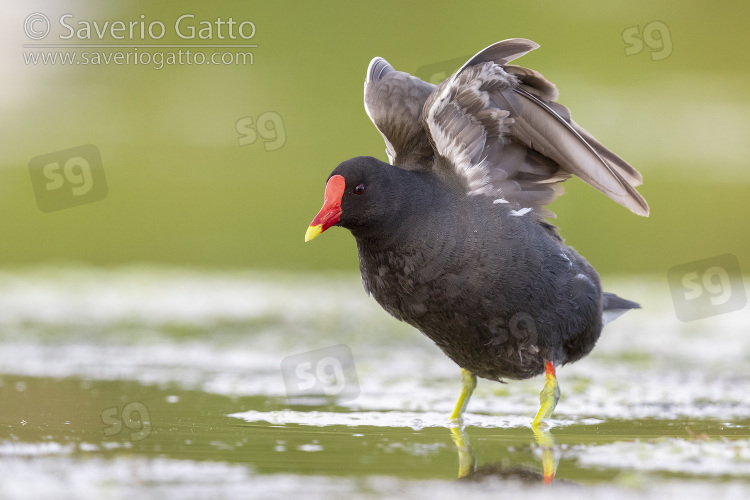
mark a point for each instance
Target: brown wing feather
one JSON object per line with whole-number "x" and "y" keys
{"x": 394, "y": 102}
{"x": 499, "y": 128}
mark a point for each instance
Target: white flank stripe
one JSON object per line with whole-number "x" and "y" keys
{"x": 523, "y": 211}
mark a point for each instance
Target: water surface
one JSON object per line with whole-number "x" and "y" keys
{"x": 167, "y": 383}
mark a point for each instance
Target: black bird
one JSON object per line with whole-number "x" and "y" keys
{"x": 452, "y": 235}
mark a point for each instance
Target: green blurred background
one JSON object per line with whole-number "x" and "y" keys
{"x": 182, "y": 189}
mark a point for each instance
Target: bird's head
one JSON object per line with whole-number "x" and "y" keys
{"x": 361, "y": 195}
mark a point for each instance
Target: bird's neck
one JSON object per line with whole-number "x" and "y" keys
{"x": 421, "y": 203}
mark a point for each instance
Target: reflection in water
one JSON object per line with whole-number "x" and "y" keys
{"x": 549, "y": 459}
{"x": 467, "y": 462}
{"x": 548, "y": 399}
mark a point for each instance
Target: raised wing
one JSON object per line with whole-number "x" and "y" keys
{"x": 498, "y": 127}
{"x": 394, "y": 101}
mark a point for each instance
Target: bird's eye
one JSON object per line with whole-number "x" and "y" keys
{"x": 359, "y": 189}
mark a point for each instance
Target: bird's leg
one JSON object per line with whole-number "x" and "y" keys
{"x": 468, "y": 383}
{"x": 466, "y": 458}
{"x": 549, "y": 396}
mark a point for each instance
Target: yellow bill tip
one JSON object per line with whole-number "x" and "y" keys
{"x": 313, "y": 231}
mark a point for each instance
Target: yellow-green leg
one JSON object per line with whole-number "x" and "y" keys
{"x": 549, "y": 396}
{"x": 548, "y": 399}
{"x": 466, "y": 459}
{"x": 468, "y": 383}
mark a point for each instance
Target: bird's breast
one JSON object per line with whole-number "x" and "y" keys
{"x": 497, "y": 304}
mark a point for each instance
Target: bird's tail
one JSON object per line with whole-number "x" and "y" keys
{"x": 613, "y": 306}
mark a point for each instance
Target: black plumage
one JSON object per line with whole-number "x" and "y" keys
{"x": 499, "y": 294}
{"x": 453, "y": 239}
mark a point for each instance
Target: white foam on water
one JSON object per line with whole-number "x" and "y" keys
{"x": 713, "y": 457}
{"x": 166, "y": 479}
{"x": 154, "y": 296}
{"x": 20, "y": 449}
{"x": 413, "y": 420}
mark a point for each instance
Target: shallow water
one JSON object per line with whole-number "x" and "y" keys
{"x": 168, "y": 383}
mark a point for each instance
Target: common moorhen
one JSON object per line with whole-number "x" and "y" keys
{"x": 452, "y": 235}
